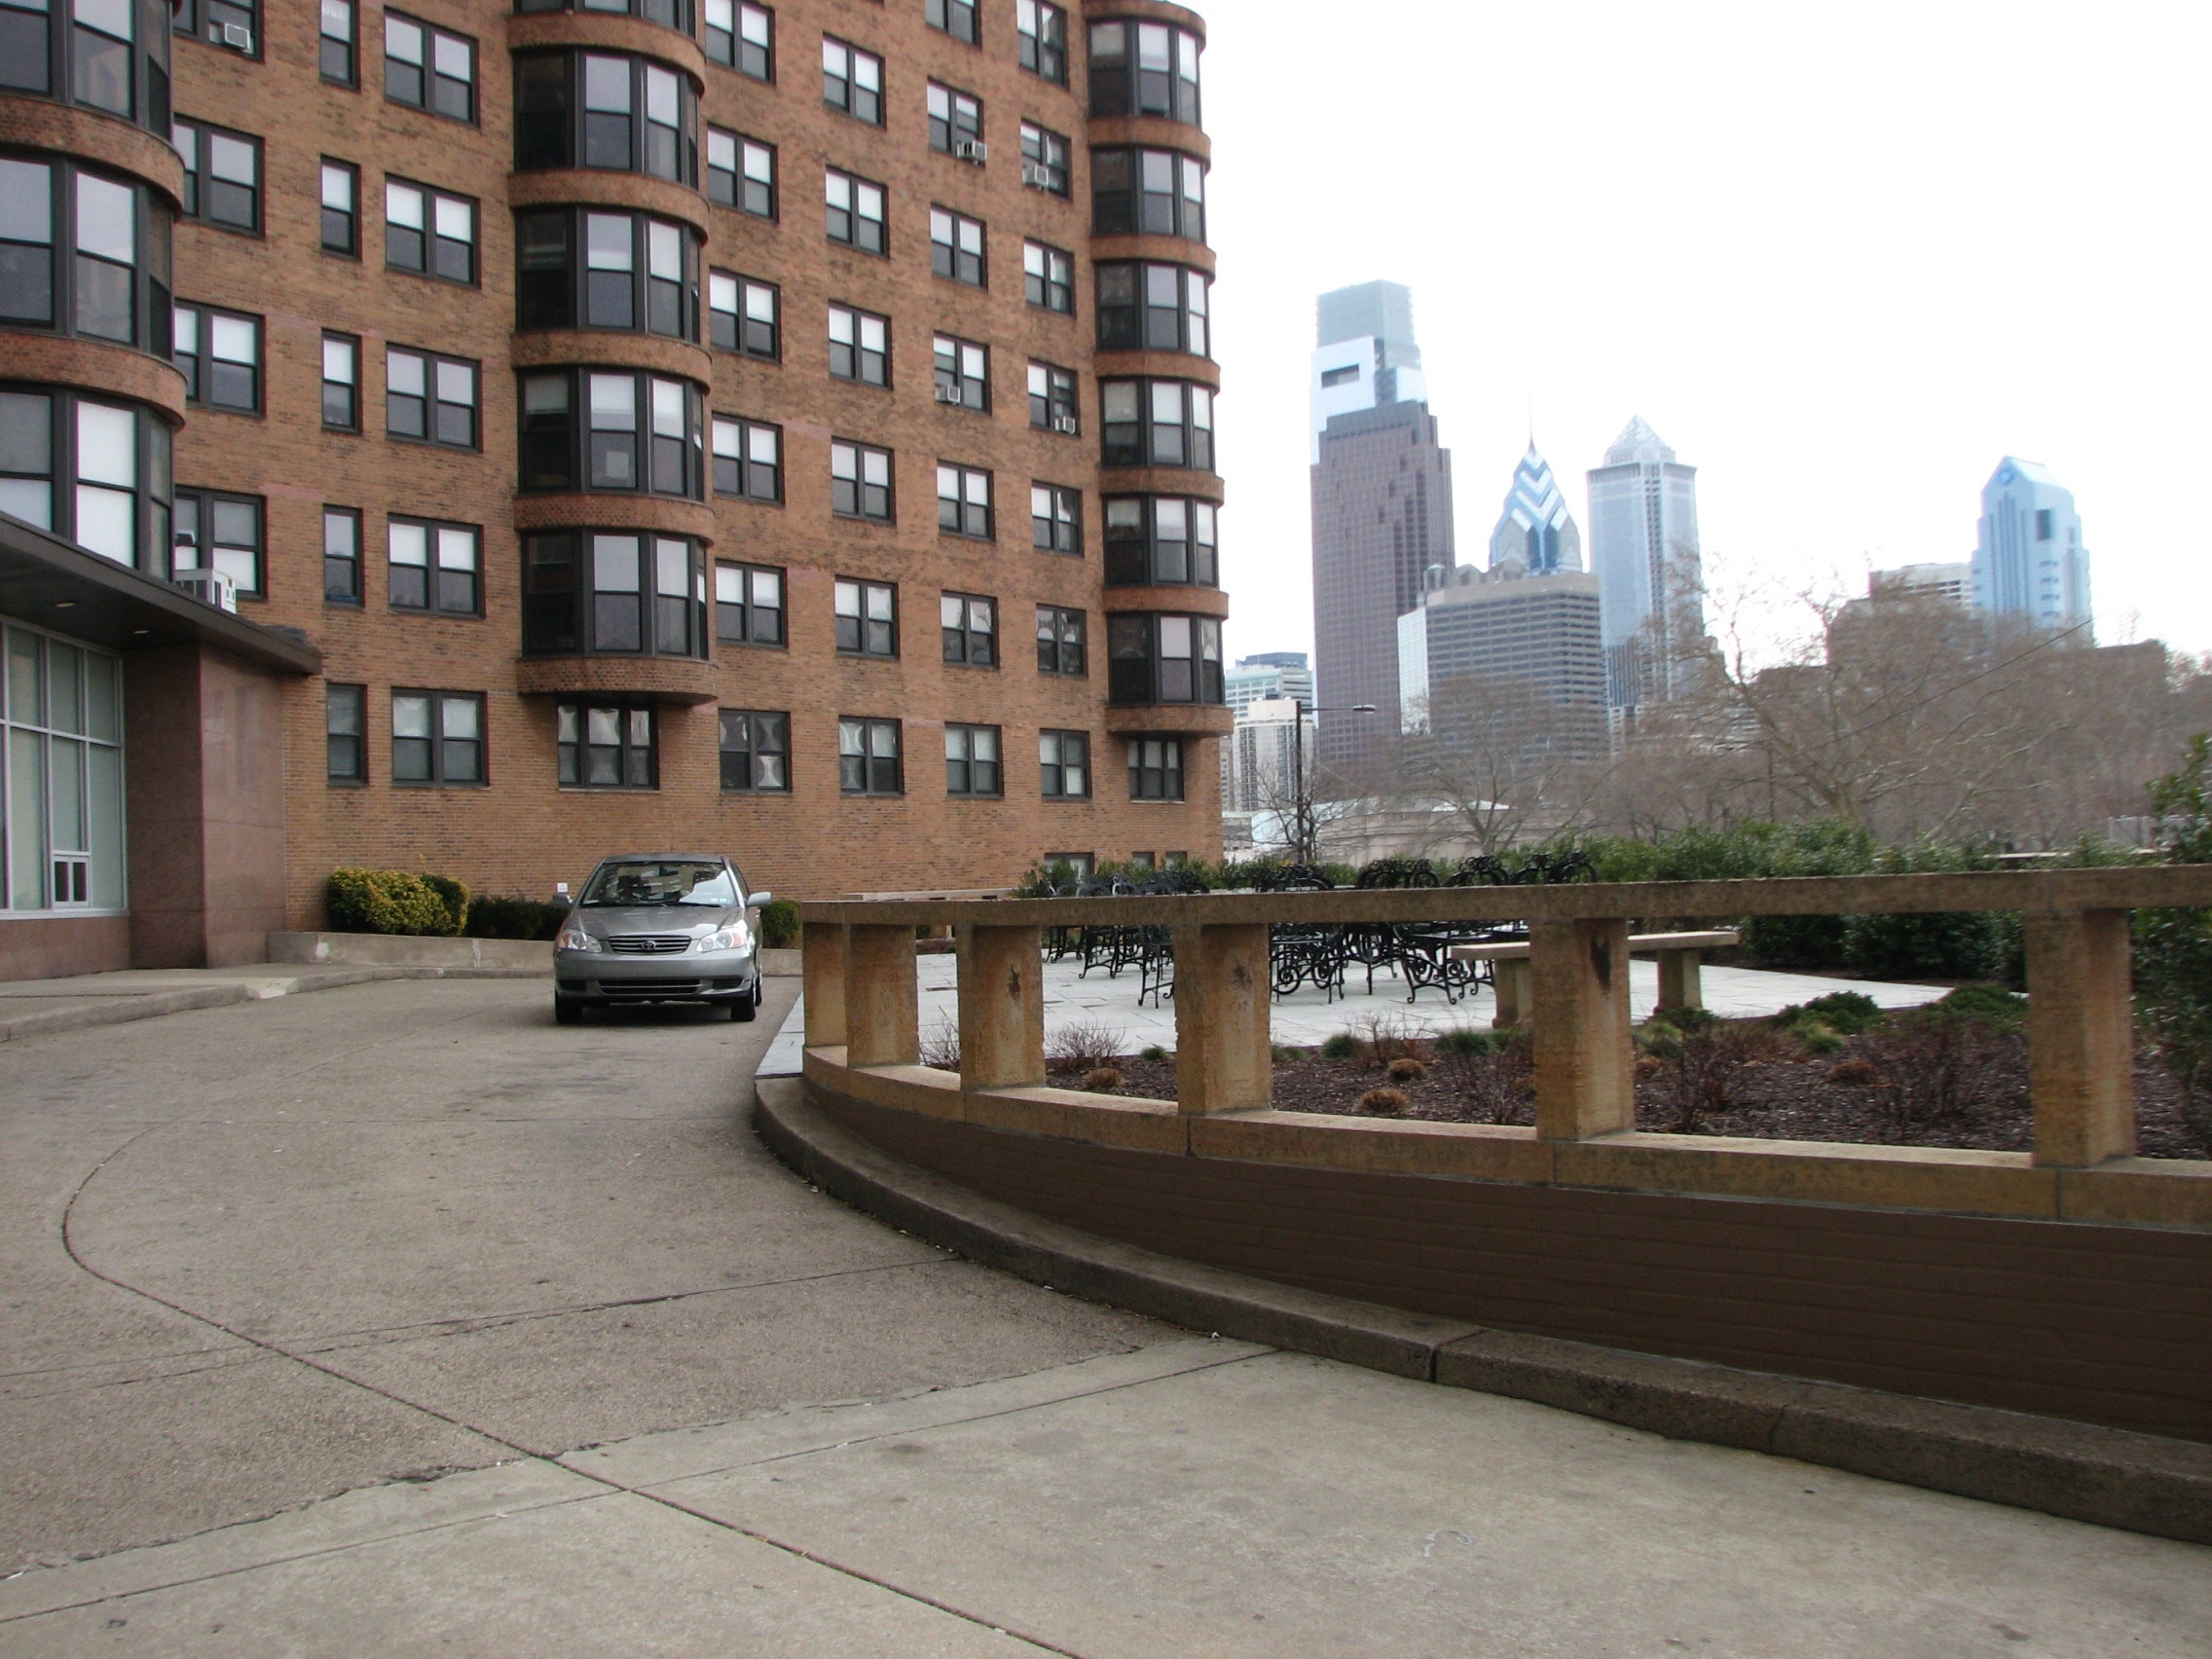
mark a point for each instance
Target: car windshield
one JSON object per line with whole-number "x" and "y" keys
{"x": 661, "y": 881}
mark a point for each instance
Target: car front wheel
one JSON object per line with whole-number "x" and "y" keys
{"x": 566, "y": 1012}
{"x": 749, "y": 1004}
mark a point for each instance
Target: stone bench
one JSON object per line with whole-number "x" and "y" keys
{"x": 1678, "y": 964}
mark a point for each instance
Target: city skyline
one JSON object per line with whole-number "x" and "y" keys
{"x": 1764, "y": 322}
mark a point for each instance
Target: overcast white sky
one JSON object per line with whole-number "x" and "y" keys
{"x": 1843, "y": 258}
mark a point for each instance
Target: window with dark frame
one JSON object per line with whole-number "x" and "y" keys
{"x": 957, "y": 247}
{"x": 956, "y": 17}
{"x": 611, "y": 592}
{"x": 341, "y": 208}
{"x": 668, "y": 14}
{"x": 232, "y": 24}
{"x": 1161, "y": 193}
{"x": 345, "y": 728}
{"x": 971, "y": 760}
{"x": 1063, "y": 759}
{"x": 1042, "y": 29}
{"x": 854, "y": 209}
{"x": 429, "y": 231}
{"x": 749, "y": 458}
{"x": 429, "y": 68}
{"x": 1152, "y": 541}
{"x": 341, "y": 382}
{"x": 1060, "y": 643}
{"x": 1048, "y": 276}
{"x": 1051, "y": 398}
{"x": 219, "y": 353}
{"x": 433, "y": 567}
{"x": 852, "y": 80}
{"x": 1044, "y": 158}
{"x": 336, "y": 46}
{"x": 1056, "y": 518}
{"x": 222, "y": 175}
{"x": 964, "y": 502}
{"x": 866, "y": 617}
{"x": 606, "y": 746}
{"x": 93, "y": 471}
{"x": 868, "y": 756}
{"x": 605, "y": 269}
{"x": 342, "y": 555}
{"x": 1156, "y": 768}
{"x": 611, "y": 430}
{"x": 860, "y": 481}
{"x": 604, "y": 111}
{"x": 430, "y": 398}
{"x": 755, "y": 751}
{"x": 741, "y": 174}
{"x": 860, "y": 346}
{"x": 963, "y": 373}
{"x": 956, "y": 121}
{"x": 1163, "y": 660}
{"x": 749, "y": 605}
{"x": 970, "y": 624}
{"x": 742, "y": 315}
{"x": 113, "y": 58}
{"x": 1145, "y": 68}
{"x": 438, "y": 737}
{"x": 742, "y": 36}
{"x": 214, "y": 529}
{"x": 1153, "y": 307}
{"x": 83, "y": 254}
{"x": 1155, "y": 423}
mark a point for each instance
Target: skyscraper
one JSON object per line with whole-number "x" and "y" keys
{"x": 2029, "y": 559}
{"x": 1365, "y": 356}
{"x": 1537, "y": 529}
{"x": 1498, "y": 627}
{"x": 1382, "y": 507}
{"x": 1270, "y": 673}
{"x": 1644, "y": 550}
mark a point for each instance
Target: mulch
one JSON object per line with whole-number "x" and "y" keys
{"x": 1785, "y": 1098}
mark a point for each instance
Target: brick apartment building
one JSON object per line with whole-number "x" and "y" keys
{"x": 784, "y": 430}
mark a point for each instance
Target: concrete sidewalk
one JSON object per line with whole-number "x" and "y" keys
{"x": 400, "y": 1321}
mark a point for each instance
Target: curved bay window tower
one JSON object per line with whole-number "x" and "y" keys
{"x": 784, "y": 429}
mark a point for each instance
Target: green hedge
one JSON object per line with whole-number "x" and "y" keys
{"x": 396, "y": 902}
{"x": 779, "y": 924}
{"x": 512, "y": 918}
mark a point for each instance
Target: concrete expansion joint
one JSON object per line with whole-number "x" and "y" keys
{"x": 2109, "y": 1477}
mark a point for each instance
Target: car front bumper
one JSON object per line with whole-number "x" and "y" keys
{"x": 712, "y": 976}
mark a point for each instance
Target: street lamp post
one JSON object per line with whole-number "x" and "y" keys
{"x": 1303, "y": 837}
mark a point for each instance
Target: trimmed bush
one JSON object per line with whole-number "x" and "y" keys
{"x": 1941, "y": 945}
{"x": 1848, "y": 1013}
{"x": 1344, "y": 1046}
{"x": 1466, "y": 1041}
{"x": 396, "y": 902}
{"x": 779, "y": 924}
{"x": 1383, "y": 1102}
{"x": 512, "y": 918}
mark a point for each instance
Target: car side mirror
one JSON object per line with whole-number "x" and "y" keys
{"x": 754, "y": 900}
{"x": 560, "y": 900}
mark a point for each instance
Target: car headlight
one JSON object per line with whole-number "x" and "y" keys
{"x": 736, "y": 937}
{"x": 574, "y": 938}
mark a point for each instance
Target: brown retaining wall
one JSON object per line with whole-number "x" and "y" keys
{"x": 2106, "y": 1324}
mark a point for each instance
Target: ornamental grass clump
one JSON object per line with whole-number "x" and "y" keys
{"x": 1102, "y": 1080}
{"x": 1406, "y": 1069}
{"x": 1383, "y": 1102}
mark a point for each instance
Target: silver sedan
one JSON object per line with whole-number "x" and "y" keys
{"x": 659, "y": 927}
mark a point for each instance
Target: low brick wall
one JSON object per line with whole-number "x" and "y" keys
{"x": 2102, "y": 1323}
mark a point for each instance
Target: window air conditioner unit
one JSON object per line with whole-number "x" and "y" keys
{"x": 948, "y": 394}
{"x": 972, "y": 150}
{"x": 1038, "y": 174}
{"x": 236, "y": 36}
{"x": 1064, "y": 423}
{"x": 210, "y": 587}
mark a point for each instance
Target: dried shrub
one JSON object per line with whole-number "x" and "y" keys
{"x": 1084, "y": 1046}
{"x": 1858, "y": 1074}
{"x": 1497, "y": 1076}
{"x": 1387, "y": 1036}
{"x": 1649, "y": 1065}
{"x": 1102, "y": 1080}
{"x": 940, "y": 1045}
{"x": 1406, "y": 1069}
{"x": 1938, "y": 1064}
{"x": 1706, "y": 1070}
{"x": 1383, "y": 1102}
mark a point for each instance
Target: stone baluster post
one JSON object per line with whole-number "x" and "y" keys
{"x": 1001, "y": 1006}
{"x": 1585, "y": 1076}
{"x": 882, "y": 1020}
{"x": 821, "y": 949}
{"x": 1224, "y": 1060}
{"x": 2081, "y": 1036}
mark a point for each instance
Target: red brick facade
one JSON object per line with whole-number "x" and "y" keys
{"x": 521, "y": 831}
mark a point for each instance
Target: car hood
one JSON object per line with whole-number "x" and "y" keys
{"x": 606, "y": 921}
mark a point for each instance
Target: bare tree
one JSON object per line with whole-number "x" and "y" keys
{"x": 1506, "y": 762}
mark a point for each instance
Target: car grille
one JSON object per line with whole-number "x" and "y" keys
{"x": 650, "y": 945}
{"x": 649, "y": 987}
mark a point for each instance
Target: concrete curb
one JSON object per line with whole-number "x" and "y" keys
{"x": 2083, "y": 1472}
{"x": 150, "y": 1005}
